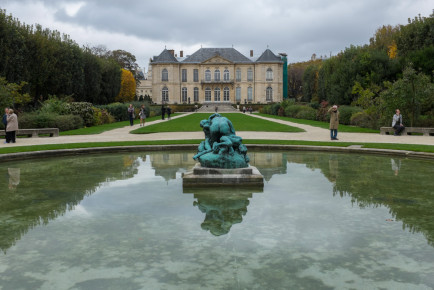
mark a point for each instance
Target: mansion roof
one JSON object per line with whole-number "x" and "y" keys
{"x": 204, "y": 54}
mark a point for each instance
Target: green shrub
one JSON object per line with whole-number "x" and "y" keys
{"x": 101, "y": 116}
{"x": 307, "y": 113}
{"x": 82, "y": 109}
{"x": 292, "y": 111}
{"x": 345, "y": 113}
{"x": 55, "y": 106}
{"x": 361, "y": 119}
{"x": 50, "y": 120}
{"x": 265, "y": 110}
{"x": 425, "y": 121}
{"x": 275, "y": 109}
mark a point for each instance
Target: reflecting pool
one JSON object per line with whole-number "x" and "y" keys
{"x": 124, "y": 221}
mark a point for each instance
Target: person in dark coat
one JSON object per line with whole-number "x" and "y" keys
{"x": 169, "y": 111}
{"x": 5, "y": 118}
{"x": 131, "y": 115}
{"x": 163, "y": 112}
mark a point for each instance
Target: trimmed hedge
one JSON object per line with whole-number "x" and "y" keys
{"x": 50, "y": 120}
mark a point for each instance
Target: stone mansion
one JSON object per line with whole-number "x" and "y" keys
{"x": 216, "y": 75}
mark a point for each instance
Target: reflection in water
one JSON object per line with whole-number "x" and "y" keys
{"x": 111, "y": 221}
{"x": 14, "y": 178}
{"x": 49, "y": 187}
{"x": 396, "y": 165}
{"x": 222, "y": 208}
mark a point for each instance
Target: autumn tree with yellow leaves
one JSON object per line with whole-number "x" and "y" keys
{"x": 128, "y": 87}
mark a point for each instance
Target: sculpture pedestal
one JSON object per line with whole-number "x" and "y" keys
{"x": 205, "y": 177}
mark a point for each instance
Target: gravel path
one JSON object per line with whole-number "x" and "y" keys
{"x": 311, "y": 134}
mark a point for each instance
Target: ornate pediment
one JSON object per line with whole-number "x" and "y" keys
{"x": 217, "y": 59}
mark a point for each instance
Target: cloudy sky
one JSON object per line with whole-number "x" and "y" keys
{"x": 144, "y": 28}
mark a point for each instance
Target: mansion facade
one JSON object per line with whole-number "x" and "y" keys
{"x": 217, "y": 75}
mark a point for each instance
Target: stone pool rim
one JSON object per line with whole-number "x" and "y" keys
{"x": 181, "y": 147}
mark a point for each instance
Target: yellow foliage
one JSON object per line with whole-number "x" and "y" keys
{"x": 392, "y": 50}
{"x": 128, "y": 87}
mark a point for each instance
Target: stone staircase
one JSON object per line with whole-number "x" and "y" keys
{"x": 221, "y": 107}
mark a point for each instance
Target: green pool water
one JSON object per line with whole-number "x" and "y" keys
{"x": 124, "y": 221}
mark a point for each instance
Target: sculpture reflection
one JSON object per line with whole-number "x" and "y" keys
{"x": 222, "y": 209}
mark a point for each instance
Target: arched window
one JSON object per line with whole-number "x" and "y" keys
{"x": 249, "y": 75}
{"x": 238, "y": 75}
{"x": 269, "y": 74}
{"x": 165, "y": 95}
{"x": 238, "y": 94}
{"x": 249, "y": 94}
{"x": 269, "y": 94}
{"x": 164, "y": 75}
{"x": 207, "y": 95}
{"x": 226, "y": 75}
{"x": 184, "y": 95}
{"x": 226, "y": 94}
{"x": 208, "y": 75}
{"x": 217, "y": 95}
{"x": 196, "y": 95}
{"x": 217, "y": 75}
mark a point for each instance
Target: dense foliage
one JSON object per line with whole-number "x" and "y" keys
{"x": 44, "y": 63}
{"x": 395, "y": 70}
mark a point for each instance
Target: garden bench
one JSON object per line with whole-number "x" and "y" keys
{"x": 53, "y": 132}
{"x": 408, "y": 131}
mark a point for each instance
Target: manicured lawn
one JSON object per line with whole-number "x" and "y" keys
{"x": 240, "y": 121}
{"x": 409, "y": 147}
{"x": 324, "y": 125}
{"x": 106, "y": 127}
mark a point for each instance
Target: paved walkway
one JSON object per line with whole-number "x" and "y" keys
{"x": 311, "y": 134}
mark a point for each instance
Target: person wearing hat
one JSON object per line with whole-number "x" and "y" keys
{"x": 334, "y": 122}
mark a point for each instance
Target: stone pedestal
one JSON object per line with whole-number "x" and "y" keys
{"x": 205, "y": 176}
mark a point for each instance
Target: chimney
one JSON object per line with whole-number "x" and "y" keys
{"x": 251, "y": 53}
{"x": 181, "y": 53}
{"x": 172, "y": 52}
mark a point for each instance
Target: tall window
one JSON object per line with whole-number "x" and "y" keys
{"x": 249, "y": 94}
{"x": 269, "y": 74}
{"x": 217, "y": 95}
{"x": 184, "y": 75}
{"x": 226, "y": 94}
{"x": 269, "y": 94}
{"x": 164, "y": 75}
{"x": 184, "y": 95}
{"x": 207, "y": 95}
{"x": 165, "y": 95}
{"x": 249, "y": 75}
{"x": 217, "y": 75}
{"x": 196, "y": 95}
{"x": 208, "y": 75}
{"x": 238, "y": 75}
{"x": 226, "y": 75}
{"x": 238, "y": 94}
{"x": 195, "y": 75}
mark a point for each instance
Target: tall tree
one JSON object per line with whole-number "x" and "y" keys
{"x": 128, "y": 87}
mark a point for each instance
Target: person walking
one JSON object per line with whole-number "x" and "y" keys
{"x": 131, "y": 115}
{"x": 334, "y": 122}
{"x": 169, "y": 111}
{"x": 163, "y": 112}
{"x": 397, "y": 123}
{"x": 11, "y": 127}
{"x": 142, "y": 115}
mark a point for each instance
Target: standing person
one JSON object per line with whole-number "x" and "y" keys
{"x": 131, "y": 114}
{"x": 244, "y": 109}
{"x": 5, "y": 118}
{"x": 169, "y": 111}
{"x": 142, "y": 115}
{"x": 397, "y": 123}
{"x": 11, "y": 127}
{"x": 334, "y": 122}
{"x": 163, "y": 112}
